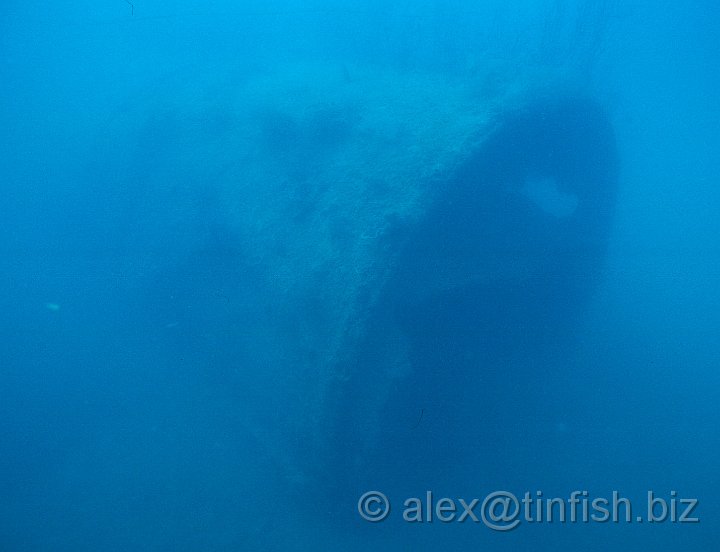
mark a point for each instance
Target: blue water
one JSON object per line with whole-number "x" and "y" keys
{"x": 260, "y": 259}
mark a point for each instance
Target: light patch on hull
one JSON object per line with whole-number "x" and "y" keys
{"x": 544, "y": 192}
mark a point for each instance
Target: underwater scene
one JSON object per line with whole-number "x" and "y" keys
{"x": 358, "y": 275}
